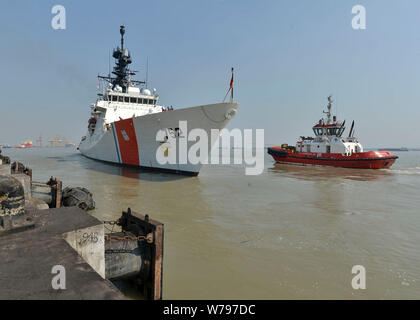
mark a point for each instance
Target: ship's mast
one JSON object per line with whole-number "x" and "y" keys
{"x": 121, "y": 71}
{"x": 122, "y": 31}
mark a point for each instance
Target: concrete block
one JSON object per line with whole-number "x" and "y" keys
{"x": 32, "y": 204}
{"x": 89, "y": 244}
{"x": 25, "y": 180}
{"x": 5, "y": 169}
{"x": 28, "y": 257}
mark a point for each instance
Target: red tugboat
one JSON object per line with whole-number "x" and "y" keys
{"x": 329, "y": 148}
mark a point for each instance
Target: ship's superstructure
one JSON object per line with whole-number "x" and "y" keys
{"x": 329, "y": 137}
{"x": 126, "y": 118}
{"x": 330, "y": 148}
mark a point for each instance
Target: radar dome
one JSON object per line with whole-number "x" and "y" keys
{"x": 146, "y": 92}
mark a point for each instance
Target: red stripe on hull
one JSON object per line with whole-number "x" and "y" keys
{"x": 127, "y": 141}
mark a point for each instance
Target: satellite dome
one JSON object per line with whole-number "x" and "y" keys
{"x": 146, "y": 92}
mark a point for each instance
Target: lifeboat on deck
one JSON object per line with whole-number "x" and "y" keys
{"x": 329, "y": 148}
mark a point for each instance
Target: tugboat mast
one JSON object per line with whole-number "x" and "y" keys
{"x": 328, "y": 113}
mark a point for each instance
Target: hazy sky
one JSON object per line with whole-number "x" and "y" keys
{"x": 288, "y": 55}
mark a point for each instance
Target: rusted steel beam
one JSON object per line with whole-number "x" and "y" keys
{"x": 157, "y": 265}
{"x": 58, "y": 191}
{"x": 142, "y": 225}
{"x": 52, "y": 194}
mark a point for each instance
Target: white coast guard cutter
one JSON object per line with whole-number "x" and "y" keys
{"x": 126, "y": 118}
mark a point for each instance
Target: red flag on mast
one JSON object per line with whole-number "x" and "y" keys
{"x": 230, "y": 89}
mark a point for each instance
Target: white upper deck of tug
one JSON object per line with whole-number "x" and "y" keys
{"x": 328, "y": 137}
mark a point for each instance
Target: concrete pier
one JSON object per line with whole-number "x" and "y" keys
{"x": 64, "y": 236}
{"x": 38, "y": 237}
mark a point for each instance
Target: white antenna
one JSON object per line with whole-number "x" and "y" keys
{"x": 328, "y": 113}
{"x": 147, "y": 72}
{"x": 109, "y": 63}
{"x": 336, "y": 103}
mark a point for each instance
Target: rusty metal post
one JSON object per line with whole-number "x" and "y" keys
{"x": 15, "y": 166}
{"x": 141, "y": 225}
{"x": 58, "y": 190}
{"x": 29, "y": 173}
{"x": 157, "y": 266}
{"x": 56, "y": 187}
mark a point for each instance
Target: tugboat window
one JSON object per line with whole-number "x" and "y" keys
{"x": 120, "y": 99}
{"x": 133, "y": 100}
{"x": 114, "y": 98}
{"x": 126, "y": 99}
{"x": 332, "y": 131}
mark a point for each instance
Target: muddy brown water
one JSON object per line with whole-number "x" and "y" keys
{"x": 290, "y": 233}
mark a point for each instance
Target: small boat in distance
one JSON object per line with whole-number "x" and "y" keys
{"x": 329, "y": 148}
{"x": 25, "y": 145}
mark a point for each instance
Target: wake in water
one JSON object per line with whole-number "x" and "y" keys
{"x": 409, "y": 171}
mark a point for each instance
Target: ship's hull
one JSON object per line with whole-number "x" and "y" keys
{"x": 361, "y": 160}
{"x": 133, "y": 142}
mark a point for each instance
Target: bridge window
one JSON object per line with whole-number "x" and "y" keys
{"x": 334, "y": 131}
{"x": 318, "y": 131}
{"x": 114, "y": 98}
{"x": 133, "y": 100}
{"x": 127, "y": 99}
